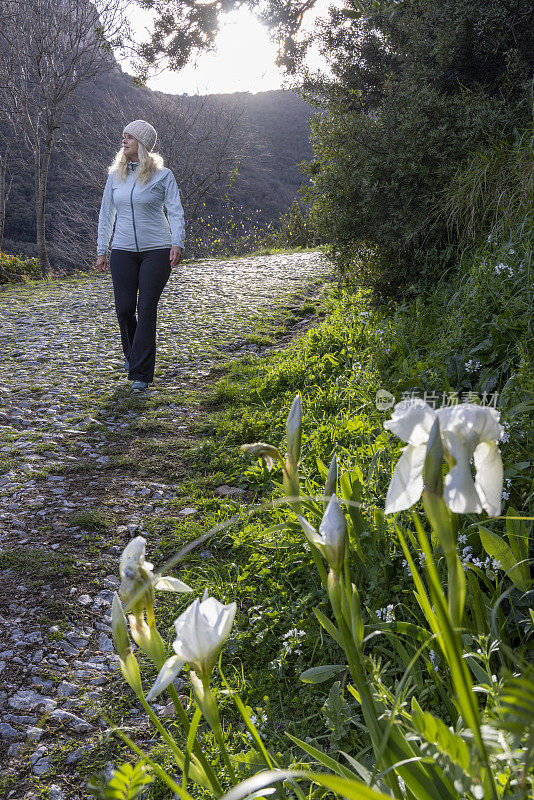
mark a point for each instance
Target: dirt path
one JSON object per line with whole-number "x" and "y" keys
{"x": 68, "y": 428}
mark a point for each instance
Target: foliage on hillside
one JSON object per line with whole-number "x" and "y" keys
{"x": 491, "y": 196}
{"x": 233, "y": 233}
{"x": 17, "y": 269}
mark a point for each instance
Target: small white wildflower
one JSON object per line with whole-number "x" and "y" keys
{"x": 387, "y": 613}
{"x": 496, "y": 565}
{"x": 466, "y": 556}
{"x": 505, "y": 435}
{"x": 294, "y": 633}
{"x": 472, "y": 366}
{"x": 434, "y": 658}
{"x": 462, "y": 538}
{"x": 499, "y": 268}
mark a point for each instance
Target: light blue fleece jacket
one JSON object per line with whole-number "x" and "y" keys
{"x": 138, "y": 208}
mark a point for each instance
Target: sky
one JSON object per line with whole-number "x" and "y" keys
{"x": 244, "y": 59}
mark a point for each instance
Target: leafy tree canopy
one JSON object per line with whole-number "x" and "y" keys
{"x": 414, "y": 94}
{"x": 185, "y": 28}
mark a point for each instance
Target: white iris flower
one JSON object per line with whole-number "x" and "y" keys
{"x": 330, "y": 540}
{"x": 200, "y": 633}
{"x": 138, "y": 581}
{"x": 468, "y": 432}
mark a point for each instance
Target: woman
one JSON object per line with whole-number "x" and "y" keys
{"x": 146, "y": 244}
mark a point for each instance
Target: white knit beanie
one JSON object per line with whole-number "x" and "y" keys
{"x": 143, "y": 132}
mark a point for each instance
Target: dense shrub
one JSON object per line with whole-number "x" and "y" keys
{"x": 414, "y": 95}
{"x": 17, "y": 269}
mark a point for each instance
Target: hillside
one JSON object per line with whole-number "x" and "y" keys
{"x": 267, "y": 135}
{"x": 280, "y": 121}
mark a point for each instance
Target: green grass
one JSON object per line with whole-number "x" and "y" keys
{"x": 92, "y": 519}
{"x": 37, "y": 563}
{"x": 337, "y": 368}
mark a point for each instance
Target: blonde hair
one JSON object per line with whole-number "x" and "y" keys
{"x": 149, "y": 163}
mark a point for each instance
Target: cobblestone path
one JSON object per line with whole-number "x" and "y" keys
{"x": 64, "y": 399}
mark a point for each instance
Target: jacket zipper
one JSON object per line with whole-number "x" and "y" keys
{"x": 133, "y": 218}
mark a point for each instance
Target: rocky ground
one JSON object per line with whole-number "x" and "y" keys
{"x": 69, "y": 498}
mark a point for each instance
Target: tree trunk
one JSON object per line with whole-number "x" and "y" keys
{"x": 2, "y": 198}
{"x": 41, "y": 177}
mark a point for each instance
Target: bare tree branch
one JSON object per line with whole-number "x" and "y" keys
{"x": 50, "y": 49}
{"x": 201, "y": 140}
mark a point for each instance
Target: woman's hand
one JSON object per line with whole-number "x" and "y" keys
{"x": 175, "y": 256}
{"x": 102, "y": 263}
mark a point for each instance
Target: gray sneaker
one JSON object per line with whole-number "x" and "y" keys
{"x": 139, "y": 386}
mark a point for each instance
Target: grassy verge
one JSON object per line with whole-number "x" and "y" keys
{"x": 471, "y": 342}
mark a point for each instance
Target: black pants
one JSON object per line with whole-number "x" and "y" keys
{"x": 145, "y": 273}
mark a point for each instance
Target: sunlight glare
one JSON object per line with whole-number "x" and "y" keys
{"x": 243, "y": 61}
